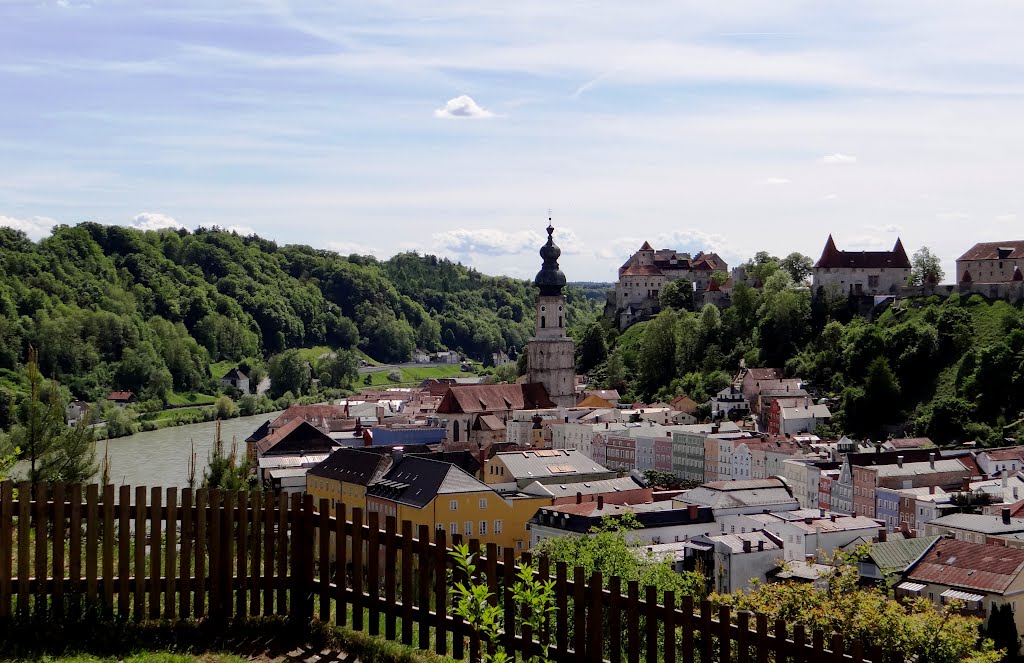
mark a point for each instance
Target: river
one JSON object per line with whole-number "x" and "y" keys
{"x": 160, "y": 457}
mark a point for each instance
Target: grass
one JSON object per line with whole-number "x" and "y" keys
{"x": 170, "y": 415}
{"x": 178, "y": 398}
{"x": 218, "y": 369}
{"x": 203, "y": 641}
{"x": 416, "y": 375}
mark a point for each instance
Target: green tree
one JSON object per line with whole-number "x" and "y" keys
{"x": 592, "y": 349}
{"x": 224, "y": 470}
{"x": 54, "y": 451}
{"x": 798, "y": 266}
{"x": 225, "y": 408}
{"x": 289, "y": 372}
{"x": 657, "y": 352}
{"x": 925, "y": 266}
{"x": 338, "y": 371}
{"x": 677, "y": 295}
{"x": 1002, "y": 629}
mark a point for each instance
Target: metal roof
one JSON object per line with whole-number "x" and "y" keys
{"x": 962, "y": 596}
{"x": 976, "y": 522}
{"x": 926, "y": 467}
{"x": 897, "y": 554}
{"x": 548, "y": 463}
{"x": 911, "y": 586}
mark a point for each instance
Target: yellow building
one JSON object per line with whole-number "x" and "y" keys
{"x": 344, "y": 476}
{"x": 518, "y": 469}
{"x": 443, "y": 496}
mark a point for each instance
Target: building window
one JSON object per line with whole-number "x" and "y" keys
{"x": 497, "y": 527}
{"x": 483, "y": 503}
{"x": 483, "y": 528}
{"x": 468, "y": 528}
{"x": 454, "y": 529}
{"x": 519, "y": 545}
{"x": 453, "y": 505}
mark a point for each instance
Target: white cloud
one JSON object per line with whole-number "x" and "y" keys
{"x": 1006, "y": 218}
{"x": 838, "y": 159}
{"x": 829, "y": 196}
{"x": 489, "y": 241}
{"x": 775, "y": 181}
{"x": 154, "y": 221}
{"x": 462, "y": 107}
{"x": 952, "y": 216}
{"x": 349, "y": 248}
{"x": 35, "y": 227}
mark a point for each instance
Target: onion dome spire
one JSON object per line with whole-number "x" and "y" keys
{"x": 550, "y": 279}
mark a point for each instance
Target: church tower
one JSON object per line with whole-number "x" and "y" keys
{"x": 550, "y": 357}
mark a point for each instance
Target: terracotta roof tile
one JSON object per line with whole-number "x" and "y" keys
{"x": 478, "y": 398}
{"x": 970, "y": 565}
{"x": 833, "y": 258}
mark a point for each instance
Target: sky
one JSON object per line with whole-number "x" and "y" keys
{"x": 453, "y": 128}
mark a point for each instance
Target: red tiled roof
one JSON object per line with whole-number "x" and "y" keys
{"x": 477, "y": 398}
{"x": 833, "y": 258}
{"x": 647, "y": 247}
{"x": 120, "y": 396}
{"x": 713, "y": 287}
{"x": 969, "y": 565}
{"x": 306, "y": 436}
{"x": 995, "y": 251}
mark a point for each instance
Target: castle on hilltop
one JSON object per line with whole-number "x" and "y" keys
{"x": 642, "y": 277}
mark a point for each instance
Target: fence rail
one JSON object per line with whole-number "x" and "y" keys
{"x": 71, "y": 551}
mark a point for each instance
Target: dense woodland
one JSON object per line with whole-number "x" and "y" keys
{"x": 113, "y": 308}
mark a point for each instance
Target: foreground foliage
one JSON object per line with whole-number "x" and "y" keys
{"x": 916, "y": 629}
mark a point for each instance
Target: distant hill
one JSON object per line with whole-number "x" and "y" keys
{"x": 110, "y": 307}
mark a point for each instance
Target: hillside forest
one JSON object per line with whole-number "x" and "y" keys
{"x": 162, "y": 312}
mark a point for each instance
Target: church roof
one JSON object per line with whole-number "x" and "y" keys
{"x": 484, "y": 398}
{"x": 647, "y": 247}
{"x": 833, "y": 258}
{"x": 550, "y": 278}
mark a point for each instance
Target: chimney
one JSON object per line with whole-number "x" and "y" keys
{"x": 931, "y": 460}
{"x": 746, "y": 546}
{"x": 579, "y": 498}
{"x": 905, "y": 527}
{"x": 692, "y": 511}
{"x": 600, "y": 502}
{"x": 931, "y": 490}
{"x": 821, "y": 513}
{"x": 807, "y": 520}
{"x": 881, "y": 536}
{"x": 833, "y": 517}
{"x": 965, "y": 484}
{"x": 714, "y": 429}
{"x": 899, "y": 461}
{"x": 760, "y": 545}
{"x": 1006, "y": 515}
{"x": 606, "y": 425}
{"x": 397, "y": 454}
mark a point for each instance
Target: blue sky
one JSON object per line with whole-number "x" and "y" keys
{"x": 452, "y": 127}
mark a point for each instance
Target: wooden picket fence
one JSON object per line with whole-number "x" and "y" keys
{"x": 70, "y": 552}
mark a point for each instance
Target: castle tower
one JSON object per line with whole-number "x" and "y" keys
{"x": 550, "y": 356}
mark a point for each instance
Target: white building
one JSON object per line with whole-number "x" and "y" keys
{"x": 802, "y": 419}
{"x": 859, "y": 273}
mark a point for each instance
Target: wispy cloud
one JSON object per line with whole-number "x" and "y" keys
{"x": 462, "y": 107}
{"x": 776, "y": 181}
{"x": 838, "y": 159}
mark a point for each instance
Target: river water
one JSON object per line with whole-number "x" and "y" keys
{"x": 160, "y": 457}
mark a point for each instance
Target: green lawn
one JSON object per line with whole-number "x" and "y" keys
{"x": 173, "y": 414}
{"x": 218, "y": 369}
{"x": 178, "y": 398}
{"x": 417, "y": 374}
